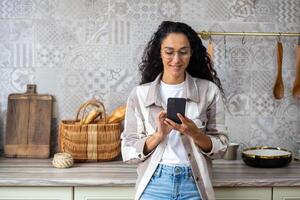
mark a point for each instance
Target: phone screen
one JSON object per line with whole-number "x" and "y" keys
{"x": 174, "y": 106}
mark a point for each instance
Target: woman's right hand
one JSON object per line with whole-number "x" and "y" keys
{"x": 162, "y": 128}
{"x": 161, "y": 133}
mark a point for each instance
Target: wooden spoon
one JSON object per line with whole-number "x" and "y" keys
{"x": 278, "y": 90}
{"x": 210, "y": 49}
{"x": 296, "y": 86}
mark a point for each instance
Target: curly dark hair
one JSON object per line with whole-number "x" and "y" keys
{"x": 200, "y": 64}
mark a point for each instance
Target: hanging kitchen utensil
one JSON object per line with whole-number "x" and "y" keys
{"x": 296, "y": 86}
{"x": 225, "y": 53}
{"x": 210, "y": 48}
{"x": 278, "y": 90}
{"x": 243, "y": 40}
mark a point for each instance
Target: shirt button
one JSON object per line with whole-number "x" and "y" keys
{"x": 189, "y": 154}
{"x": 197, "y": 178}
{"x": 140, "y": 155}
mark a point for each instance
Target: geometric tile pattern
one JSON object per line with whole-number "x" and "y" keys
{"x": 16, "y": 31}
{"x": 239, "y": 105}
{"x": 46, "y": 8}
{"x": 241, "y": 9}
{"x": 288, "y": 11}
{"x": 262, "y": 82}
{"x": 20, "y": 77}
{"x": 288, "y": 110}
{"x": 119, "y": 32}
{"x": 263, "y": 131}
{"x": 79, "y": 49}
{"x": 169, "y": 9}
{"x": 238, "y": 81}
{"x": 263, "y": 57}
{"x": 121, "y": 9}
{"x": 49, "y": 56}
{"x": 263, "y": 11}
{"x": 145, "y": 10}
{"x": 72, "y": 9}
{"x": 262, "y": 104}
{"x": 192, "y": 9}
{"x": 16, "y": 8}
{"x": 240, "y": 57}
{"x": 16, "y": 55}
{"x": 95, "y": 32}
{"x": 217, "y": 10}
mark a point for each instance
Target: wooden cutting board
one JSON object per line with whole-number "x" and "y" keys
{"x": 28, "y": 124}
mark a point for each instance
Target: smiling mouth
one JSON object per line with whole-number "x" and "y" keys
{"x": 175, "y": 66}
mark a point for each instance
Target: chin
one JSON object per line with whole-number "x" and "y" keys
{"x": 177, "y": 74}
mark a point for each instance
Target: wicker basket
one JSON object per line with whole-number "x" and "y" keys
{"x": 91, "y": 142}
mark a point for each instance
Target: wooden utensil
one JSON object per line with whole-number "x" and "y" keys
{"x": 296, "y": 86}
{"x": 278, "y": 90}
{"x": 210, "y": 49}
{"x": 28, "y": 124}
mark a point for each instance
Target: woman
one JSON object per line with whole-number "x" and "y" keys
{"x": 175, "y": 158}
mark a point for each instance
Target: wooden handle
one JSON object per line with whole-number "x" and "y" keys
{"x": 296, "y": 86}
{"x": 278, "y": 90}
{"x": 92, "y": 102}
{"x": 210, "y": 49}
{"x": 31, "y": 89}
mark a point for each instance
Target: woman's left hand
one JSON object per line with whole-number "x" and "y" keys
{"x": 187, "y": 126}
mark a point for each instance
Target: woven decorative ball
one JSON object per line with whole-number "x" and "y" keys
{"x": 62, "y": 160}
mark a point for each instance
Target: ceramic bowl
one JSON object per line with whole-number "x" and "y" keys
{"x": 266, "y": 157}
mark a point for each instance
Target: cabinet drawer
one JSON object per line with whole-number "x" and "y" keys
{"x": 244, "y": 193}
{"x": 36, "y": 193}
{"x": 104, "y": 193}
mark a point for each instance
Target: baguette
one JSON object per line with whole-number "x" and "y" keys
{"x": 117, "y": 115}
{"x": 91, "y": 116}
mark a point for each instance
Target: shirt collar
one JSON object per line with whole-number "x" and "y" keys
{"x": 153, "y": 96}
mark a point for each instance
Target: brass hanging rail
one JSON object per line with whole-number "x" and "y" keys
{"x": 206, "y": 34}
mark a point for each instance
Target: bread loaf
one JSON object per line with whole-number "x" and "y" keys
{"x": 91, "y": 116}
{"x": 117, "y": 115}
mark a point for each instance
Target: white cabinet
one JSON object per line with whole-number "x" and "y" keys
{"x": 286, "y": 193}
{"x": 36, "y": 193}
{"x": 244, "y": 193}
{"x": 122, "y": 193}
{"x": 104, "y": 193}
{"x": 127, "y": 193}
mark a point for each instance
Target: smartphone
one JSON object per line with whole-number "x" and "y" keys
{"x": 174, "y": 106}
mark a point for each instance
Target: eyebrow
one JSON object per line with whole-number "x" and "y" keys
{"x": 182, "y": 48}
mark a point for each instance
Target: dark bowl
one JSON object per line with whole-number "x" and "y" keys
{"x": 266, "y": 157}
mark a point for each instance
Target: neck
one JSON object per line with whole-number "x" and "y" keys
{"x": 172, "y": 80}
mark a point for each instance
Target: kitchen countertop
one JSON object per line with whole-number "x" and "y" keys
{"x": 39, "y": 172}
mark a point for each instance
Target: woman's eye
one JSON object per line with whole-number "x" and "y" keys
{"x": 169, "y": 53}
{"x": 183, "y": 52}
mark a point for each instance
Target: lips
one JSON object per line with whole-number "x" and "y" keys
{"x": 176, "y": 66}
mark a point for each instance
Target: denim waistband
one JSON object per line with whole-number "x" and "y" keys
{"x": 173, "y": 170}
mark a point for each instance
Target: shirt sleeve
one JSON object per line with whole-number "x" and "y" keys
{"x": 134, "y": 134}
{"x": 215, "y": 126}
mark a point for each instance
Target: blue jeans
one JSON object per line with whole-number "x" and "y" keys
{"x": 171, "y": 183}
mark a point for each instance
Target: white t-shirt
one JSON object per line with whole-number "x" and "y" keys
{"x": 175, "y": 153}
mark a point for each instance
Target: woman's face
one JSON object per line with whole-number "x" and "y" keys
{"x": 175, "y": 54}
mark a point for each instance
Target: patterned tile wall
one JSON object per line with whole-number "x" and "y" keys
{"x": 79, "y": 49}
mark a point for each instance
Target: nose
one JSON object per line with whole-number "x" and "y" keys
{"x": 176, "y": 58}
